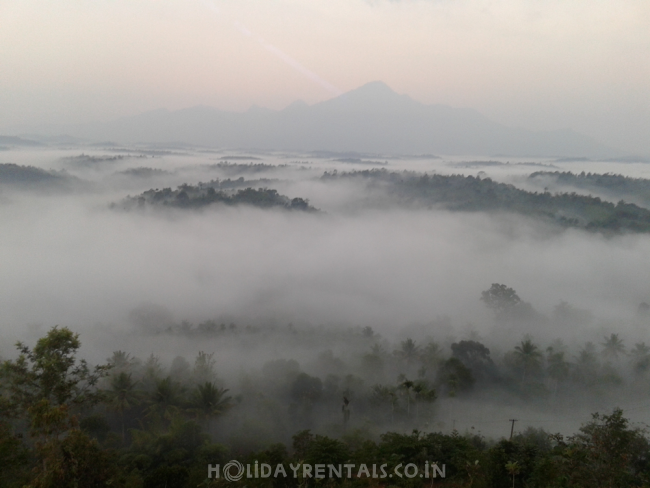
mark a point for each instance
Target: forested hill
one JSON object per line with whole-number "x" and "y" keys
{"x": 31, "y": 177}
{"x": 203, "y": 195}
{"x": 469, "y": 193}
{"x": 618, "y": 186}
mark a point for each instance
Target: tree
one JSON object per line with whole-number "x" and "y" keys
{"x": 587, "y": 364}
{"x": 381, "y": 395}
{"x": 407, "y": 385}
{"x": 606, "y": 452}
{"x": 208, "y": 401}
{"x": 513, "y": 469}
{"x": 122, "y": 396}
{"x": 500, "y": 299}
{"x": 557, "y": 367}
{"x": 476, "y": 357}
{"x": 528, "y": 356}
{"x": 203, "y": 368}
{"x": 49, "y": 378}
{"x": 455, "y": 376}
{"x": 165, "y": 399}
{"x": 613, "y": 347}
{"x": 121, "y": 362}
{"x": 408, "y": 351}
{"x": 49, "y": 387}
{"x": 641, "y": 357}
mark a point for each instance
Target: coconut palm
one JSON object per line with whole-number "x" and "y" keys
{"x": 613, "y": 347}
{"x": 208, "y": 402}
{"x": 408, "y": 352}
{"x": 587, "y": 364}
{"x": 407, "y": 385}
{"x": 528, "y": 356}
{"x": 122, "y": 396}
{"x": 641, "y": 356}
{"x": 121, "y": 362}
{"x": 165, "y": 399}
{"x": 558, "y": 368}
{"x": 513, "y": 469}
{"x": 203, "y": 368}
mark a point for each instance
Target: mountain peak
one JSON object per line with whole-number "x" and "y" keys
{"x": 375, "y": 87}
{"x": 371, "y": 97}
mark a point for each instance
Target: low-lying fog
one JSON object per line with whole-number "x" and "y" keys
{"x": 118, "y": 277}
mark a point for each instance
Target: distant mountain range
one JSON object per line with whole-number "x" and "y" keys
{"x": 370, "y": 119}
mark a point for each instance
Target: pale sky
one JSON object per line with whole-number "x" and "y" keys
{"x": 538, "y": 64}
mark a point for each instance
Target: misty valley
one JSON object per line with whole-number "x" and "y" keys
{"x": 170, "y": 307}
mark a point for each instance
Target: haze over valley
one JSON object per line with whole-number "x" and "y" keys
{"x": 381, "y": 234}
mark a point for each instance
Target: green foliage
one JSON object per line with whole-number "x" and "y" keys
{"x": 500, "y": 299}
{"x": 606, "y": 452}
{"x": 51, "y": 372}
{"x": 202, "y": 195}
{"x": 455, "y": 377}
{"x": 14, "y": 459}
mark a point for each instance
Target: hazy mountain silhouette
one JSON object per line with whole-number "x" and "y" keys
{"x": 372, "y": 118}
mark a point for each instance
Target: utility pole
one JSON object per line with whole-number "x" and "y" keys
{"x": 512, "y": 428}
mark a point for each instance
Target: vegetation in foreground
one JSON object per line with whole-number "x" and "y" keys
{"x": 65, "y": 423}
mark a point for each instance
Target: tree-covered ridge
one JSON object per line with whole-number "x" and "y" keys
{"x": 618, "y": 186}
{"x": 90, "y": 161}
{"x": 469, "y": 193}
{"x": 206, "y": 194}
{"x": 32, "y": 177}
{"x": 242, "y": 168}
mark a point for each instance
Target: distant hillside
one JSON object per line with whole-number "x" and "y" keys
{"x": 616, "y": 187}
{"x": 467, "y": 193}
{"x": 18, "y": 141}
{"x": 30, "y": 177}
{"x": 372, "y": 118}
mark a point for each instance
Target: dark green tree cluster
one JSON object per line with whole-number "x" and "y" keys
{"x": 202, "y": 195}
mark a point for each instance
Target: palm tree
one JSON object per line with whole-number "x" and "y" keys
{"x": 587, "y": 364}
{"x": 122, "y": 395}
{"x": 407, "y": 385}
{"x": 208, "y": 401}
{"x": 528, "y": 356}
{"x": 612, "y": 347}
{"x": 641, "y": 356}
{"x": 431, "y": 354}
{"x": 408, "y": 352}
{"x": 121, "y": 362}
{"x": 203, "y": 367}
{"x": 558, "y": 368}
{"x": 513, "y": 469}
{"x": 165, "y": 399}
{"x": 385, "y": 394}
{"x": 422, "y": 394}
